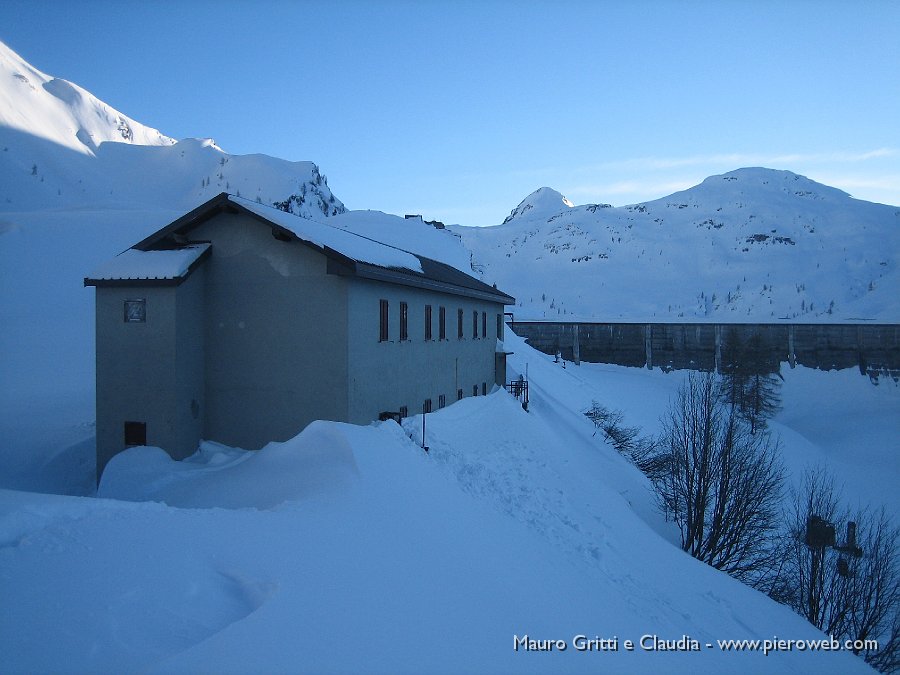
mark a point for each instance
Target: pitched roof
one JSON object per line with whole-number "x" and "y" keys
{"x": 158, "y": 267}
{"x": 348, "y": 253}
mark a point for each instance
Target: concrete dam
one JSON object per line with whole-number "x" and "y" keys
{"x": 873, "y": 348}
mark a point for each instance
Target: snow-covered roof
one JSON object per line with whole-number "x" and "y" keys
{"x": 349, "y": 253}
{"x": 136, "y": 265}
{"x": 349, "y": 244}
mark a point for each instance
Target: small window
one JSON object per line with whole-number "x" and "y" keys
{"x": 135, "y": 433}
{"x": 404, "y": 321}
{"x": 475, "y": 325}
{"x": 499, "y": 326}
{"x": 484, "y": 324}
{"x": 442, "y": 401}
{"x": 404, "y": 412}
{"x": 427, "y": 322}
{"x": 459, "y": 394}
{"x": 136, "y": 310}
{"x": 442, "y": 323}
{"x": 484, "y": 388}
{"x": 426, "y": 407}
{"x": 459, "y": 324}
{"x": 383, "y": 321}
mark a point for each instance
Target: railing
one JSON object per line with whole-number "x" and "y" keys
{"x": 519, "y": 389}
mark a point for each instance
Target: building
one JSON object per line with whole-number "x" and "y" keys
{"x": 241, "y": 324}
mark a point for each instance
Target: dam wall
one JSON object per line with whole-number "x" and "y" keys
{"x": 873, "y": 348}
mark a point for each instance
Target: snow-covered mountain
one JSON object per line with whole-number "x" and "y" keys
{"x": 61, "y": 147}
{"x": 61, "y": 112}
{"x": 750, "y": 245}
{"x": 543, "y": 202}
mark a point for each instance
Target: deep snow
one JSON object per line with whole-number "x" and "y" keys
{"x": 348, "y": 548}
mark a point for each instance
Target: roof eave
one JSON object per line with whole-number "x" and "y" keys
{"x": 375, "y": 273}
{"x": 164, "y": 281}
{"x": 202, "y": 213}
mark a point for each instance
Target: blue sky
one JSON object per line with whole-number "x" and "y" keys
{"x": 458, "y": 110}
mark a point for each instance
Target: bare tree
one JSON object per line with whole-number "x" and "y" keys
{"x": 847, "y": 585}
{"x": 723, "y": 484}
{"x": 641, "y": 450}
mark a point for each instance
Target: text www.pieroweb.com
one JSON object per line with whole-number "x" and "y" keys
{"x": 685, "y": 643}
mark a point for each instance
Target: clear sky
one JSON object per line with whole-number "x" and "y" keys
{"x": 457, "y": 110}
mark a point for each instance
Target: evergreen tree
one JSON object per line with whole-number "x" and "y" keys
{"x": 762, "y": 387}
{"x": 733, "y": 369}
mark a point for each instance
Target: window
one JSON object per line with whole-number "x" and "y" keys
{"x": 404, "y": 411}
{"x": 136, "y": 310}
{"x": 426, "y": 407}
{"x": 135, "y": 433}
{"x": 427, "y": 322}
{"x": 459, "y": 394}
{"x": 383, "y": 321}
{"x": 459, "y": 324}
{"x": 442, "y": 323}
{"x": 484, "y": 388}
{"x": 442, "y": 401}
{"x": 475, "y": 390}
{"x": 404, "y": 321}
{"x": 499, "y": 326}
{"x": 484, "y": 324}
{"x": 474, "y": 324}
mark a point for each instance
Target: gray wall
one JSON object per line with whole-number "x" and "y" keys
{"x": 260, "y": 341}
{"x": 150, "y": 372}
{"x": 275, "y": 334}
{"x": 387, "y": 375}
{"x": 871, "y": 347}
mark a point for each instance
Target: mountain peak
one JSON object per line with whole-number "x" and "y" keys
{"x": 61, "y": 112}
{"x": 543, "y": 201}
{"x": 61, "y": 146}
{"x": 770, "y": 180}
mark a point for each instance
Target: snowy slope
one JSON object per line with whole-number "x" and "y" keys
{"x": 752, "y": 245}
{"x": 61, "y": 147}
{"x": 61, "y": 112}
{"x": 542, "y": 203}
{"x": 514, "y": 523}
{"x": 347, "y": 548}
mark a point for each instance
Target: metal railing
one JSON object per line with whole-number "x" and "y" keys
{"x": 519, "y": 390}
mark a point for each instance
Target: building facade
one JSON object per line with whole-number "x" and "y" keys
{"x": 241, "y": 324}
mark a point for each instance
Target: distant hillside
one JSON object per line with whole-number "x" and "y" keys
{"x": 61, "y": 147}
{"x": 752, "y": 245}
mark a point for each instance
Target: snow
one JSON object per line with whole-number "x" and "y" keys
{"x": 750, "y": 246}
{"x": 318, "y": 460}
{"x": 348, "y": 548}
{"x": 541, "y": 203}
{"x": 61, "y": 147}
{"x": 61, "y": 112}
{"x": 350, "y": 244}
{"x": 411, "y": 234}
{"x": 134, "y": 264}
